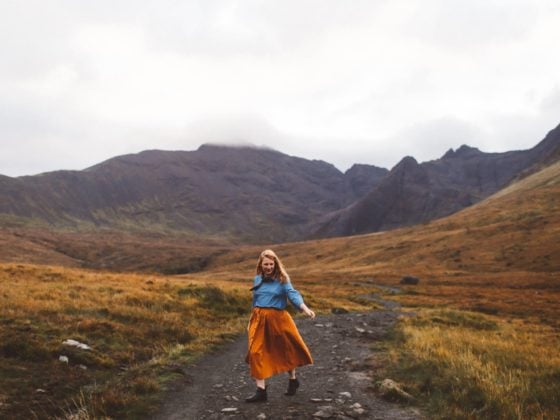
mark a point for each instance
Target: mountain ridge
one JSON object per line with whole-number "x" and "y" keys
{"x": 254, "y": 194}
{"x": 216, "y": 190}
{"x": 415, "y": 192}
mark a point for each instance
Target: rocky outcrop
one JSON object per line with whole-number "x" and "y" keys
{"x": 415, "y": 193}
{"x": 360, "y": 179}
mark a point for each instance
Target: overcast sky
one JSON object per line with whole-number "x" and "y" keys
{"x": 346, "y": 81}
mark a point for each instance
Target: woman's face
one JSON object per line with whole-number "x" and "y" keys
{"x": 267, "y": 265}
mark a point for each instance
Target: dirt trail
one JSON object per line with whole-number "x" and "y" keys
{"x": 337, "y": 386}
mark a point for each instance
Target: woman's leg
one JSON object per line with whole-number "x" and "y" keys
{"x": 292, "y": 374}
{"x": 293, "y": 383}
{"x": 260, "y": 393}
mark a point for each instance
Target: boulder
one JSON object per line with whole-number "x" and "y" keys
{"x": 339, "y": 311}
{"x": 411, "y": 280}
{"x": 392, "y": 391}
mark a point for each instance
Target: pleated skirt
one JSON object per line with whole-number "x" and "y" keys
{"x": 275, "y": 344}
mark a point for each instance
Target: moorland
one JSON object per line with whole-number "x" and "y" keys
{"x": 482, "y": 344}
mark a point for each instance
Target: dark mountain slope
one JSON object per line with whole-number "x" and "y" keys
{"x": 414, "y": 193}
{"x": 241, "y": 193}
{"x": 360, "y": 179}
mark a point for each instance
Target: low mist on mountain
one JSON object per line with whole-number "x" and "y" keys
{"x": 258, "y": 195}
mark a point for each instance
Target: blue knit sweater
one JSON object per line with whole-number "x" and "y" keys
{"x": 274, "y": 294}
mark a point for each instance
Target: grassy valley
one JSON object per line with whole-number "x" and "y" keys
{"x": 136, "y": 326}
{"x": 142, "y": 329}
{"x": 485, "y": 336}
{"x": 483, "y": 342}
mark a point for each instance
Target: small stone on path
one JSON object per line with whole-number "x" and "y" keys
{"x": 325, "y": 412}
{"x": 229, "y": 410}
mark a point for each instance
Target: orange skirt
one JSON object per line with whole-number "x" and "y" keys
{"x": 275, "y": 344}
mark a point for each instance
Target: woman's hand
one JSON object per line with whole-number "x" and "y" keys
{"x": 307, "y": 311}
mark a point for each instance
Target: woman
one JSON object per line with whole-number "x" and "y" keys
{"x": 275, "y": 344}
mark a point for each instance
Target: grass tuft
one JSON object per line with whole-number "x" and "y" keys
{"x": 467, "y": 365}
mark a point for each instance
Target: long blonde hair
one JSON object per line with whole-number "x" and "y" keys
{"x": 279, "y": 272}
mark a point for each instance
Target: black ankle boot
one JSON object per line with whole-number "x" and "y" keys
{"x": 293, "y": 385}
{"x": 259, "y": 396}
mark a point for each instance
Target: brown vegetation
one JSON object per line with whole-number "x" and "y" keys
{"x": 485, "y": 339}
{"x": 142, "y": 329}
{"x": 488, "y": 312}
{"x": 135, "y": 324}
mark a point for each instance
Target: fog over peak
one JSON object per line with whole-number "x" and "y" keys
{"x": 359, "y": 82}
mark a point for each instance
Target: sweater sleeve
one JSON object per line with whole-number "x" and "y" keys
{"x": 293, "y": 295}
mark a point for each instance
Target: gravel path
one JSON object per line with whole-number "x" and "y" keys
{"x": 337, "y": 386}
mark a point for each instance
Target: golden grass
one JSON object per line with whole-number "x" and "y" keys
{"x": 471, "y": 365}
{"x": 135, "y": 324}
{"x": 140, "y": 327}
{"x": 500, "y": 259}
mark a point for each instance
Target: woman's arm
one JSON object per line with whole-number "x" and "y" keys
{"x": 297, "y": 300}
{"x": 307, "y": 311}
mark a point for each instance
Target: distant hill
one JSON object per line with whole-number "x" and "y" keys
{"x": 258, "y": 195}
{"x": 515, "y": 229}
{"x": 415, "y": 193}
{"x": 236, "y": 193}
{"x": 508, "y": 240}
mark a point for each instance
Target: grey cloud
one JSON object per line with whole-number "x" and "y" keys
{"x": 431, "y": 139}
{"x": 306, "y": 67}
{"x": 38, "y": 135}
{"x": 517, "y": 131}
{"x": 260, "y": 28}
{"x": 465, "y": 24}
{"x": 551, "y": 102}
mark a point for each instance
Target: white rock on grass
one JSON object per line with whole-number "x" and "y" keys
{"x": 77, "y": 344}
{"x": 345, "y": 394}
{"x": 261, "y": 416}
{"x": 63, "y": 359}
